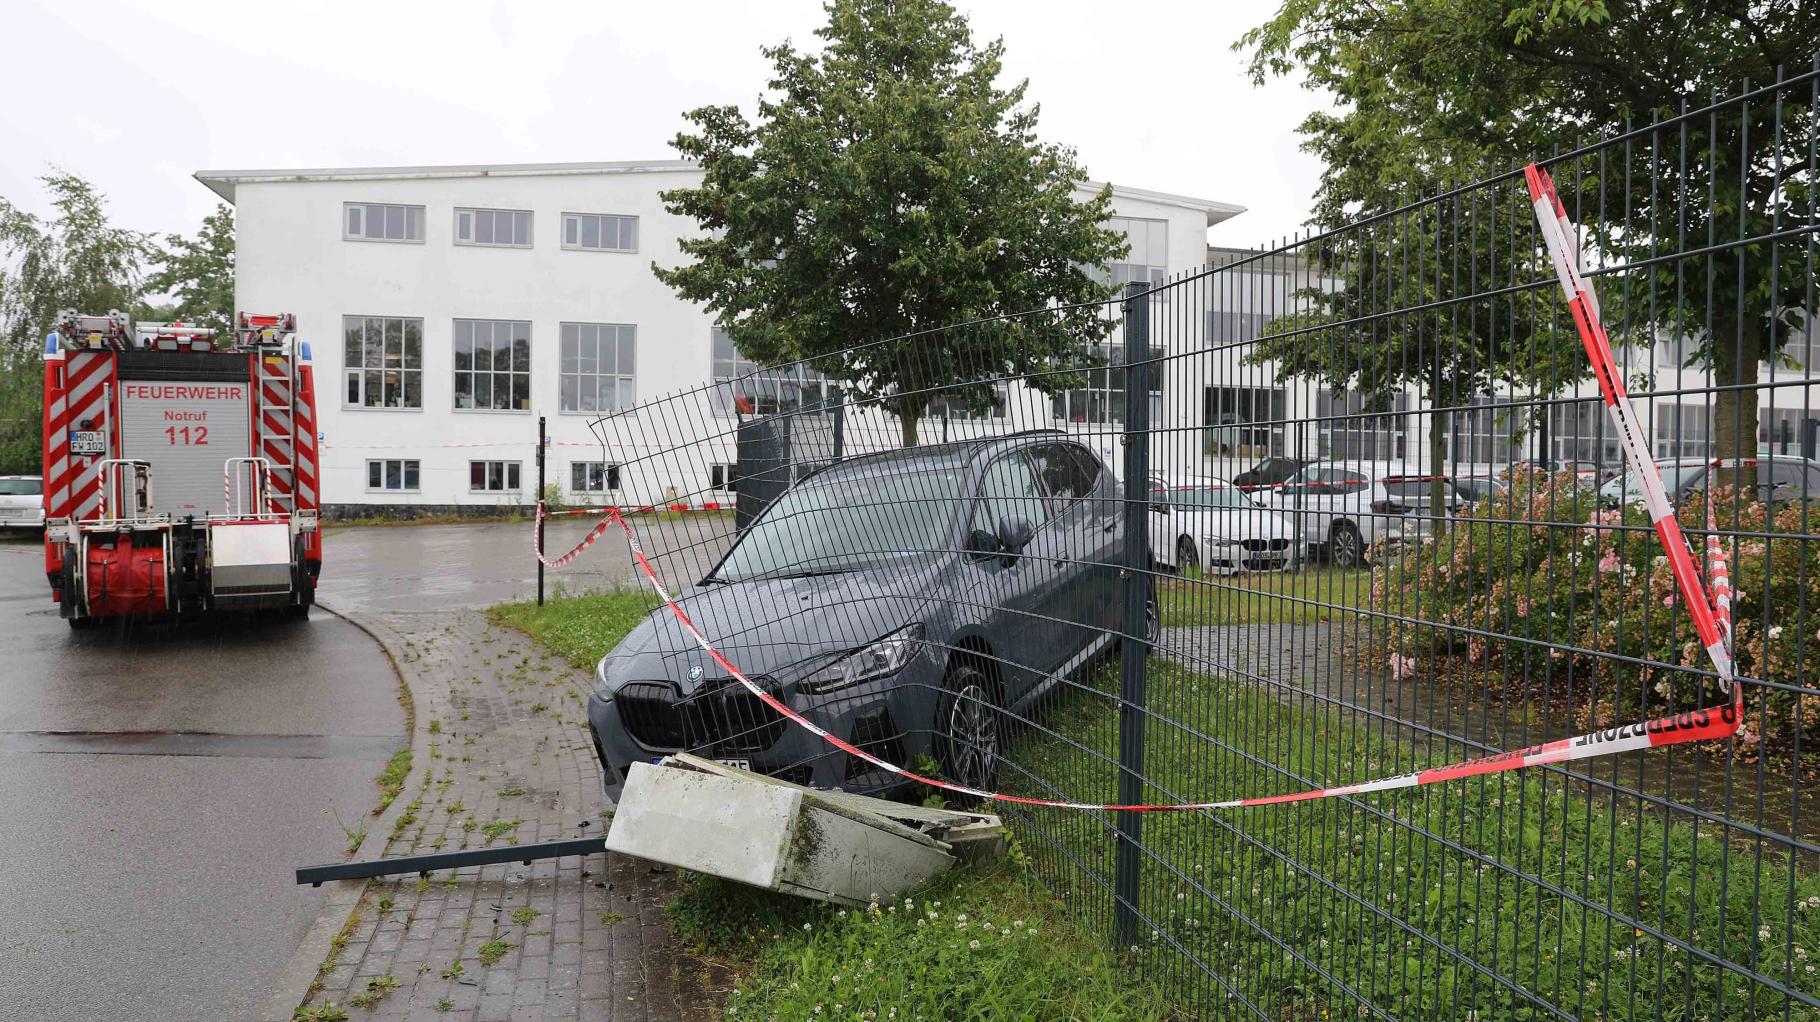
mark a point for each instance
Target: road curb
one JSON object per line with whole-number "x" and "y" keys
{"x": 344, "y": 898}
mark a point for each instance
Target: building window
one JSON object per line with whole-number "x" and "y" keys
{"x": 493, "y": 476}
{"x": 376, "y": 221}
{"x": 1148, "y": 260}
{"x": 1361, "y": 426}
{"x": 1244, "y": 421}
{"x": 1103, "y": 399}
{"x": 1582, "y": 431}
{"x": 598, "y": 363}
{"x": 382, "y": 361}
{"x": 598, "y": 232}
{"x": 500, "y": 228}
{"x": 750, "y": 389}
{"x": 493, "y": 364}
{"x": 1483, "y": 434}
{"x": 392, "y": 474}
{"x": 723, "y": 478}
{"x": 593, "y": 476}
{"x": 1682, "y": 430}
{"x": 955, "y": 407}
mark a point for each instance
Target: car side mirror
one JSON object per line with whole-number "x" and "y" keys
{"x": 1014, "y": 534}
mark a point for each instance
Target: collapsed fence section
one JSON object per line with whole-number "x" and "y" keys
{"x": 1341, "y": 510}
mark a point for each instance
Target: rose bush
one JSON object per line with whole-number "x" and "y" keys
{"x": 1541, "y": 584}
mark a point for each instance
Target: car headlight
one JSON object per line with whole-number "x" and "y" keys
{"x": 879, "y": 659}
{"x": 1222, "y": 544}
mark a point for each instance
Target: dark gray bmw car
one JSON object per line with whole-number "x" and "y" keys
{"x": 912, "y": 603}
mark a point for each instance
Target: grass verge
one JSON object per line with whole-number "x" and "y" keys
{"x": 580, "y": 628}
{"x": 1516, "y": 895}
{"x": 985, "y": 942}
{"x": 1275, "y": 597}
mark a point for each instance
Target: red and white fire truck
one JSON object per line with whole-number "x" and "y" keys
{"x": 179, "y": 475}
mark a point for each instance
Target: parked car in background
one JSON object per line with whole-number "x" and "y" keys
{"x": 903, "y": 601}
{"x": 21, "y": 502}
{"x": 1480, "y": 487}
{"x": 1270, "y": 473}
{"x": 1218, "y": 527}
{"x": 1346, "y": 506}
{"x": 1779, "y": 478}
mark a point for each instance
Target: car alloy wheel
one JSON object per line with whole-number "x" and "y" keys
{"x": 1186, "y": 557}
{"x": 1153, "y": 617}
{"x": 1347, "y": 545}
{"x": 969, "y": 723}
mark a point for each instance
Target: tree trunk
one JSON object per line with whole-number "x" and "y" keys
{"x": 907, "y": 418}
{"x": 1734, "y": 423}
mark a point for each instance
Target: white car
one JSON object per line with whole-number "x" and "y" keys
{"x": 1218, "y": 527}
{"x": 21, "y": 502}
{"x": 1346, "y": 506}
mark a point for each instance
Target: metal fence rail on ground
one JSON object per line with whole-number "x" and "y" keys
{"x": 1339, "y": 510}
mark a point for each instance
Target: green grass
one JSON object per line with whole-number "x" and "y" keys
{"x": 391, "y": 779}
{"x": 579, "y": 628}
{"x": 1274, "y": 597}
{"x": 997, "y": 947}
{"x": 492, "y": 951}
{"x": 1237, "y": 888}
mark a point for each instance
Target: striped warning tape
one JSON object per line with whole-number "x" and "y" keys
{"x": 1711, "y": 611}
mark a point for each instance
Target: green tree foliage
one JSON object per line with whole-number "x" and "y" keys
{"x": 199, "y": 273}
{"x": 889, "y": 186}
{"x": 1432, "y": 93}
{"x": 72, "y": 259}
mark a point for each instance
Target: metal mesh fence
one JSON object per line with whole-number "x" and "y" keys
{"x": 1338, "y": 510}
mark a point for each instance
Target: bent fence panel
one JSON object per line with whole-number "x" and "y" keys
{"x": 1378, "y": 522}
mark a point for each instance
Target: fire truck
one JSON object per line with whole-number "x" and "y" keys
{"x": 179, "y": 471}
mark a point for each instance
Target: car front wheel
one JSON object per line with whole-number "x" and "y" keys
{"x": 967, "y": 719}
{"x": 1186, "y": 556}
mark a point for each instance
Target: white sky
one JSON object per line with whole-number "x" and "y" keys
{"x": 137, "y": 95}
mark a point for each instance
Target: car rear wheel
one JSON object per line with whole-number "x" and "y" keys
{"x": 1346, "y": 548}
{"x": 1186, "y": 556}
{"x": 968, "y": 728}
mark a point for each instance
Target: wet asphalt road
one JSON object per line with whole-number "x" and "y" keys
{"x": 159, "y": 783}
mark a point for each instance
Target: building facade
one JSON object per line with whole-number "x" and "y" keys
{"x": 450, "y": 307}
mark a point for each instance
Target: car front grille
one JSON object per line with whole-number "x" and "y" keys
{"x": 718, "y": 719}
{"x": 1261, "y": 545}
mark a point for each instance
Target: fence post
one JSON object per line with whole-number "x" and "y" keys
{"x": 1134, "y": 650}
{"x": 542, "y": 442}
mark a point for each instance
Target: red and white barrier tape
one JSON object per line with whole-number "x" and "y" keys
{"x": 1711, "y": 612}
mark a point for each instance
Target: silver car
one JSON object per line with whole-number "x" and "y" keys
{"x": 1216, "y": 526}
{"x": 21, "y": 502}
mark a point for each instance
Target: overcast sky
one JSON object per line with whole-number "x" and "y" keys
{"x": 137, "y": 95}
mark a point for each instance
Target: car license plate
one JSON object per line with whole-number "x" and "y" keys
{"x": 88, "y": 441}
{"x": 737, "y": 764}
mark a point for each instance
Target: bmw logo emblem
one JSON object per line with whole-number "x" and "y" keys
{"x": 695, "y": 673}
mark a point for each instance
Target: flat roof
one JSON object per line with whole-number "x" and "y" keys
{"x": 223, "y": 182}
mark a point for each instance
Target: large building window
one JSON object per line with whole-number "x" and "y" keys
{"x": 500, "y": 228}
{"x": 382, "y": 361}
{"x": 1582, "y": 431}
{"x": 378, "y": 221}
{"x": 598, "y": 365}
{"x": 593, "y": 476}
{"x": 1481, "y": 433}
{"x": 392, "y": 474}
{"x": 750, "y": 389}
{"x": 1103, "y": 399}
{"x": 1682, "y": 431}
{"x": 1362, "y": 427}
{"x": 493, "y": 476}
{"x": 493, "y": 364}
{"x": 1148, "y": 260}
{"x": 1244, "y": 421}
{"x": 599, "y": 232}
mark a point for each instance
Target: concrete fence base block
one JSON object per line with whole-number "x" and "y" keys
{"x": 699, "y": 815}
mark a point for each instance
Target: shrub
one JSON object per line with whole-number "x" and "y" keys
{"x": 1581, "y": 596}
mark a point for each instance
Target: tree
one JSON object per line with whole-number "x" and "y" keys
{"x": 889, "y": 187}
{"x": 1437, "y": 92}
{"x": 74, "y": 259}
{"x": 199, "y": 273}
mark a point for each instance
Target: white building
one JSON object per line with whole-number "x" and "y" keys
{"x": 451, "y": 306}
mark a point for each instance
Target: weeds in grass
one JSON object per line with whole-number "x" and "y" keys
{"x": 391, "y": 779}
{"x": 523, "y": 916}
{"x": 356, "y": 835}
{"x": 444, "y": 1004}
{"x": 511, "y": 792}
{"x": 492, "y": 951}
{"x": 454, "y": 970}
{"x": 499, "y": 828}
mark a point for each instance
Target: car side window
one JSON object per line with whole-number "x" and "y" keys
{"x": 1341, "y": 480}
{"x": 1065, "y": 474}
{"x": 1007, "y": 490}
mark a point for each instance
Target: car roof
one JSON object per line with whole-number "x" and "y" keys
{"x": 953, "y": 453}
{"x": 40, "y": 478}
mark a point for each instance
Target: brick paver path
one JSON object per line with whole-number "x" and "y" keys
{"x": 509, "y": 761}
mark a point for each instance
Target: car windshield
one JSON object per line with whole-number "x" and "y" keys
{"x": 848, "y": 522}
{"x": 1676, "y": 475}
{"x": 21, "y": 487}
{"x": 1193, "y": 497}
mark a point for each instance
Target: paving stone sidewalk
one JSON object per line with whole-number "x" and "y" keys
{"x": 509, "y": 761}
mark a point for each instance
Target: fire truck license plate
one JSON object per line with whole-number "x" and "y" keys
{"x": 737, "y": 764}
{"x": 88, "y": 441}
